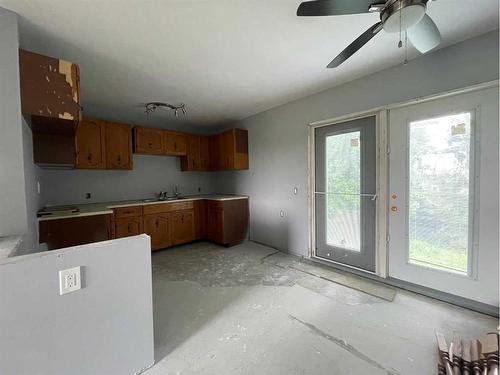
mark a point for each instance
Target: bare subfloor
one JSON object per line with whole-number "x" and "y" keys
{"x": 248, "y": 310}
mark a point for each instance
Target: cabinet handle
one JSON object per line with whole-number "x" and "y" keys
{"x": 175, "y": 146}
{"x": 150, "y": 144}
{"x": 157, "y": 223}
{"x": 119, "y": 159}
{"x": 128, "y": 228}
{"x": 89, "y": 158}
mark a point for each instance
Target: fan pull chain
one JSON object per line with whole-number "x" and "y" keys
{"x": 406, "y": 49}
{"x": 400, "y": 44}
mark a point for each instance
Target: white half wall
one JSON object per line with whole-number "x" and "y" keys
{"x": 13, "y": 218}
{"x": 278, "y": 138}
{"x": 104, "y": 328}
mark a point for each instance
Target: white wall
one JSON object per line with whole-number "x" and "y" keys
{"x": 33, "y": 204}
{"x": 104, "y": 328}
{"x": 278, "y": 138}
{"x": 150, "y": 175}
{"x": 12, "y": 191}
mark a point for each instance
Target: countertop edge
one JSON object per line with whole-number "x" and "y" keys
{"x": 107, "y": 209}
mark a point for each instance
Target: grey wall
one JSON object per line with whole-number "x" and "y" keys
{"x": 33, "y": 204}
{"x": 150, "y": 175}
{"x": 104, "y": 328}
{"x": 278, "y": 138}
{"x": 12, "y": 197}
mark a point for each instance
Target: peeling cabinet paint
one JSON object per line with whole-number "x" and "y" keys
{"x": 49, "y": 87}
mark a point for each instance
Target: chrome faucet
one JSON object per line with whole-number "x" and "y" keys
{"x": 176, "y": 192}
{"x": 162, "y": 195}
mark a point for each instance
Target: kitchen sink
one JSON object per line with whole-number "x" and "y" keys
{"x": 162, "y": 200}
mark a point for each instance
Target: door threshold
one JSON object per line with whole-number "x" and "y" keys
{"x": 462, "y": 302}
{"x": 342, "y": 266}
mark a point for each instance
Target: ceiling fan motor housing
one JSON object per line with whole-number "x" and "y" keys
{"x": 400, "y": 15}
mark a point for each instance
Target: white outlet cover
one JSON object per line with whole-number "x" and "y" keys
{"x": 70, "y": 280}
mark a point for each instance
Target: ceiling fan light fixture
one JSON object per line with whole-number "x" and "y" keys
{"x": 403, "y": 15}
{"x": 425, "y": 35}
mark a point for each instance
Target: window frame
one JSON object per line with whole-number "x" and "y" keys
{"x": 474, "y": 170}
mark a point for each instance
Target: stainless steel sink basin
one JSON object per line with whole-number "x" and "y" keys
{"x": 162, "y": 200}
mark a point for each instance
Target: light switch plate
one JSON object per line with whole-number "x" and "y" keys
{"x": 69, "y": 280}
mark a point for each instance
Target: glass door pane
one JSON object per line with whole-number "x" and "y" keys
{"x": 439, "y": 170}
{"x": 343, "y": 176}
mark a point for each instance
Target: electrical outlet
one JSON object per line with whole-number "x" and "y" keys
{"x": 69, "y": 280}
{"x": 282, "y": 213}
{"x": 88, "y": 195}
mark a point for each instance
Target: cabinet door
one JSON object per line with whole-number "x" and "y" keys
{"x": 118, "y": 146}
{"x": 174, "y": 143}
{"x": 158, "y": 228}
{"x": 241, "y": 149}
{"x": 60, "y": 233}
{"x": 204, "y": 153}
{"x": 148, "y": 141}
{"x": 130, "y": 226}
{"x": 193, "y": 153}
{"x": 215, "y": 223}
{"x": 215, "y": 152}
{"x": 182, "y": 227}
{"x": 227, "y": 149}
{"x": 90, "y": 147}
{"x": 200, "y": 219}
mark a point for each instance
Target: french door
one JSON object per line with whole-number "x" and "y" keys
{"x": 434, "y": 169}
{"x": 345, "y": 193}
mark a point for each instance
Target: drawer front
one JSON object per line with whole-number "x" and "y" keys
{"x": 167, "y": 207}
{"x": 215, "y": 205}
{"x": 127, "y": 211}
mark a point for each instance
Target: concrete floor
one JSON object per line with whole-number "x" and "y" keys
{"x": 245, "y": 310}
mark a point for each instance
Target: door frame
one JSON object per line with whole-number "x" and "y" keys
{"x": 381, "y": 173}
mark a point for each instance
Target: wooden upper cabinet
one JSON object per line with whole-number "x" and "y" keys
{"x": 118, "y": 145}
{"x": 158, "y": 228}
{"x": 50, "y": 88}
{"x": 148, "y": 141}
{"x": 191, "y": 162}
{"x": 90, "y": 145}
{"x": 229, "y": 150}
{"x": 174, "y": 143}
{"x": 216, "y": 153}
{"x": 204, "y": 153}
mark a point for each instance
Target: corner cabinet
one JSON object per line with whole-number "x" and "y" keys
{"x": 227, "y": 221}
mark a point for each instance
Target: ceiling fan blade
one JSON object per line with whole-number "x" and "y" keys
{"x": 352, "y": 48}
{"x": 333, "y": 7}
{"x": 424, "y": 35}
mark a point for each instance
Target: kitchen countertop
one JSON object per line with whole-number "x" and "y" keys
{"x": 107, "y": 207}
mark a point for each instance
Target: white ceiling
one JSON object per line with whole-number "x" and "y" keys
{"x": 226, "y": 59}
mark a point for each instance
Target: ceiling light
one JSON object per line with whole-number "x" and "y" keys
{"x": 403, "y": 18}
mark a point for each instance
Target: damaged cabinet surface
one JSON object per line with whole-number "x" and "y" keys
{"x": 50, "y": 87}
{"x": 50, "y": 103}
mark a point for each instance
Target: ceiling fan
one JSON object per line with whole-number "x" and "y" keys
{"x": 407, "y": 16}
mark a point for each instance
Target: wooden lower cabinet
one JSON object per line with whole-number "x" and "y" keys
{"x": 158, "y": 227}
{"x": 200, "y": 219}
{"x": 182, "y": 227}
{"x": 128, "y": 226}
{"x": 169, "y": 224}
{"x": 227, "y": 221}
{"x": 60, "y": 233}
